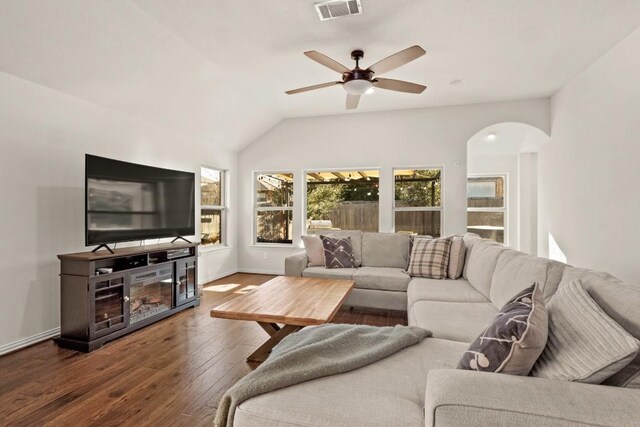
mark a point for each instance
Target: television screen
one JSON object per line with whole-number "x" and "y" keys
{"x": 126, "y": 201}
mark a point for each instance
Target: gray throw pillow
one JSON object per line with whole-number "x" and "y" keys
{"x": 315, "y": 251}
{"x": 338, "y": 253}
{"x": 429, "y": 257}
{"x": 515, "y": 339}
{"x": 585, "y": 344}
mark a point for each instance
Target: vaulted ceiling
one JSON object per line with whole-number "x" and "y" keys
{"x": 220, "y": 67}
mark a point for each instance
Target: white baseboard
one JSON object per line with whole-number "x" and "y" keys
{"x": 218, "y": 276}
{"x": 261, "y": 271}
{"x": 26, "y": 342}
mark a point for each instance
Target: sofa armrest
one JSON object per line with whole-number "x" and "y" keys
{"x": 467, "y": 398}
{"x": 295, "y": 264}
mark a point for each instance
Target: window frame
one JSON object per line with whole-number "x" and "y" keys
{"x": 305, "y": 172}
{"x": 256, "y": 208}
{"x": 440, "y": 208}
{"x": 504, "y": 209}
{"x": 222, "y": 208}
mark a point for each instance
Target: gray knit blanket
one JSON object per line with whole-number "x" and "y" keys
{"x": 314, "y": 353}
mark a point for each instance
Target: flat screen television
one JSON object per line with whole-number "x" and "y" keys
{"x": 127, "y": 201}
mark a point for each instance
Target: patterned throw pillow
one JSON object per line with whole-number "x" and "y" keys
{"x": 585, "y": 344}
{"x": 515, "y": 339}
{"x": 429, "y": 257}
{"x": 412, "y": 238}
{"x": 338, "y": 253}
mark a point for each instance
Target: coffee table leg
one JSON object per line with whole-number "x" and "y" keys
{"x": 277, "y": 334}
{"x": 270, "y": 328}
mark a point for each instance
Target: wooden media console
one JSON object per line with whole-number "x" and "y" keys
{"x": 106, "y": 295}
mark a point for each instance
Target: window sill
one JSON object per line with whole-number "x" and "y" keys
{"x": 274, "y": 246}
{"x": 213, "y": 248}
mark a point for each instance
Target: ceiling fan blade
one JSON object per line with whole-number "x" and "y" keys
{"x": 314, "y": 87}
{"x": 398, "y": 85}
{"x": 397, "y": 59}
{"x": 326, "y": 61}
{"x": 352, "y": 101}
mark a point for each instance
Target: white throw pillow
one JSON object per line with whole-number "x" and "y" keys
{"x": 585, "y": 344}
{"x": 315, "y": 251}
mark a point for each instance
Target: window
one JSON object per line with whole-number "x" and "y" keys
{"x": 486, "y": 206}
{"x": 273, "y": 207}
{"x": 417, "y": 204}
{"x": 342, "y": 200}
{"x": 212, "y": 207}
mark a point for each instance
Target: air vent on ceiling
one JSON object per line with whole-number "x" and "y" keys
{"x": 333, "y": 9}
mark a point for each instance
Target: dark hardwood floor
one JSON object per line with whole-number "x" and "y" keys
{"x": 172, "y": 373}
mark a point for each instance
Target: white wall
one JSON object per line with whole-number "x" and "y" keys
{"x": 44, "y": 135}
{"x": 507, "y": 164}
{"x": 528, "y": 202}
{"x": 419, "y": 137}
{"x": 589, "y": 174}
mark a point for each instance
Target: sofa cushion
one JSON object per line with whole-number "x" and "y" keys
{"x": 585, "y": 344}
{"x": 481, "y": 263}
{"x": 314, "y": 249}
{"x": 430, "y": 258}
{"x": 356, "y": 242}
{"x": 456, "y": 321}
{"x": 385, "y": 393}
{"x": 554, "y": 276}
{"x": 329, "y": 273}
{"x": 374, "y": 298}
{"x": 514, "y": 340}
{"x": 381, "y": 278}
{"x": 338, "y": 252}
{"x": 456, "y": 258}
{"x": 469, "y": 239}
{"x": 516, "y": 271}
{"x": 422, "y": 289}
{"x": 628, "y": 377}
{"x": 385, "y": 250}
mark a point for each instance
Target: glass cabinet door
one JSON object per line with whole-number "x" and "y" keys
{"x": 109, "y": 302}
{"x": 186, "y": 288}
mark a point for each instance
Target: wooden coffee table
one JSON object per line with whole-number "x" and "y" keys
{"x": 294, "y": 302}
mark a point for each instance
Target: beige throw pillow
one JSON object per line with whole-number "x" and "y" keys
{"x": 315, "y": 251}
{"x": 585, "y": 344}
{"x": 456, "y": 258}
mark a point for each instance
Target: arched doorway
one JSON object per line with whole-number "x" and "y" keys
{"x": 502, "y": 184}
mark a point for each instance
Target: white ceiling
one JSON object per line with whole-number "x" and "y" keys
{"x": 220, "y": 67}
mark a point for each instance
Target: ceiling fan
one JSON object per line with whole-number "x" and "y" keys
{"x": 357, "y": 82}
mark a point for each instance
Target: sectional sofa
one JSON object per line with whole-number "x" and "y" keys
{"x": 381, "y": 279}
{"x": 420, "y": 386}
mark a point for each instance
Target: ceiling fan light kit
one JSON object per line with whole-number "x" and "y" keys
{"x": 357, "y": 87}
{"x": 357, "y": 82}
